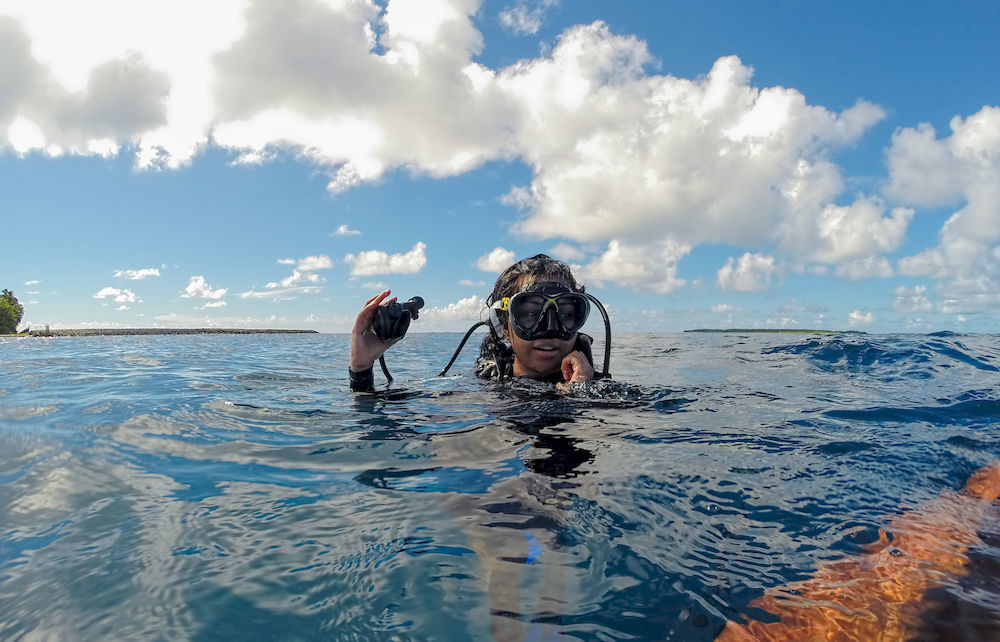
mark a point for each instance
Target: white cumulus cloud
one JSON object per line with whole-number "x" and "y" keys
{"x": 419, "y": 102}
{"x": 496, "y": 260}
{"x": 620, "y": 155}
{"x": 618, "y": 152}
{"x": 117, "y": 295}
{"x": 641, "y": 267}
{"x": 302, "y": 280}
{"x": 90, "y": 84}
{"x": 857, "y": 317}
{"x": 908, "y": 300}
{"x": 962, "y": 169}
{"x": 372, "y": 262}
{"x": 750, "y": 273}
{"x": 856, "y": 232}
{"x": 313, "y": 263}
{"x": 873, "y": 267}
{"x": 526, "y": 17}
{"x": 137, "y": 275}
{"x": 281, "y": 293}
{"x": 304, "y": 272}
{"x": 567, "y": 252}
{"x": 198, "y": 288}
{"x": 345, "y": 230}
{"x": 468, "y": 308}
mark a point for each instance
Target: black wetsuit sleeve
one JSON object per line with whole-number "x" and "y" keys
{"x": 363, "y": 381}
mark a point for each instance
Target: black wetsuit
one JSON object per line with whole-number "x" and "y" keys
{"x": 501, "y": 366}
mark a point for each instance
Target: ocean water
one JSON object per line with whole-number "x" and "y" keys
{"x": 231, "y": 487}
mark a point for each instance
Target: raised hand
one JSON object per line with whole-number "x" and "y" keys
{"x": 365, "y": 346}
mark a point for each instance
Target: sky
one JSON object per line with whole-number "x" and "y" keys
{"x": 275, "y": 163}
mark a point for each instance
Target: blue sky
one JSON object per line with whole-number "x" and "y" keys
{"x": 703, "y": 164}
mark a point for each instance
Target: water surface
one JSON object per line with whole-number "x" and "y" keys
{"x": 212, "y": 487}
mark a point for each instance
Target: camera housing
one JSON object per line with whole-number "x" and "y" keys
{"x": 393, "y": 319}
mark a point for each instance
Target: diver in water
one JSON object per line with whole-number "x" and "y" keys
{"x": 536, "y": 311}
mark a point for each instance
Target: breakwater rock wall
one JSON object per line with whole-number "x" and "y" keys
{"x": 100, "y": 332}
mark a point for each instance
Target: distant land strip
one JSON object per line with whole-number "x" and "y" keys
{"x": 779, "y": 330}
{"x": 118, "y": 332}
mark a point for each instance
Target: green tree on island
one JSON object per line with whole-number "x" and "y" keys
{"x": 11, "y": 312}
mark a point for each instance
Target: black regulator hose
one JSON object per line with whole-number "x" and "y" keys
{"x": 607, "y": 334}
{"x": 460, "y": 346}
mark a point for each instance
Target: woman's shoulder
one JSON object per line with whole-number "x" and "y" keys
{"x": 583, "y": 344}
{"x": 497, "y": 365}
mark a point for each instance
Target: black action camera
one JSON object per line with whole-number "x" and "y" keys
{"x": 393, "y": 320}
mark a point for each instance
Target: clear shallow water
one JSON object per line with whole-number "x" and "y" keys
{"x": 212, "y": 487}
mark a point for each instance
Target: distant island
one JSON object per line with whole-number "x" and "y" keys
{"x": 779, "y": 330}
{"x": 116, "y": 332}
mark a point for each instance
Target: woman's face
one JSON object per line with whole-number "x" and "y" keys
{"x": 541, "y": 357}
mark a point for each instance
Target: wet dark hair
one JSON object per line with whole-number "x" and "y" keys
{"x": 540, "y": 267}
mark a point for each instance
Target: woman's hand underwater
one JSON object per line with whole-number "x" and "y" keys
{"x": 365, "y": 346}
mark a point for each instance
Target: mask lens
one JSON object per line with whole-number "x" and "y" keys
{"x": 530, "y": 309}
{"x": 572, "y": 310}
{"x": 527, "y": 309}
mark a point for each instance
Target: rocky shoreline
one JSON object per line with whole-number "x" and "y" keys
{"x": 117, "y": 332}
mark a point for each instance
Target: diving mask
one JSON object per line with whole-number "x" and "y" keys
{"x": 546, "y": 310}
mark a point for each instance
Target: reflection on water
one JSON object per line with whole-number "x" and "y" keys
{"x": 198, "y": 487}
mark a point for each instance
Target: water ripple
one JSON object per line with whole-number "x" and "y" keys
{"x": 208, "y": 487}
